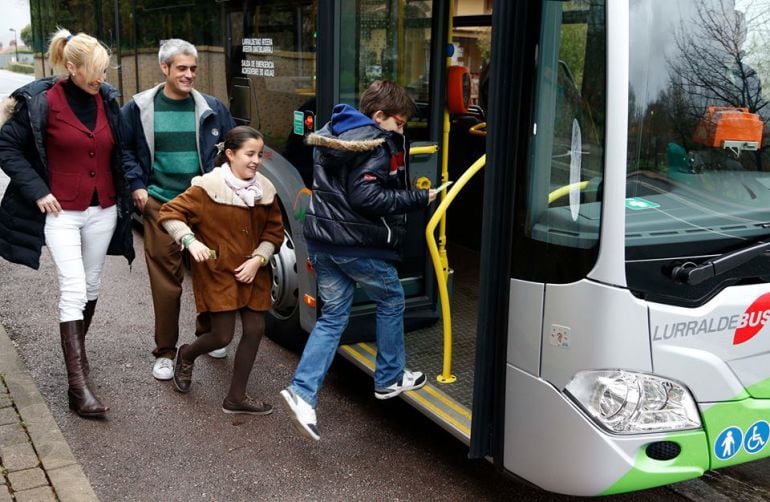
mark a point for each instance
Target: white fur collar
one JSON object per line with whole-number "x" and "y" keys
{"x": 6, "y": 109}
{"x": 214, "y": 185}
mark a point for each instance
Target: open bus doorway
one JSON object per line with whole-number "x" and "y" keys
{"x": 407, "y": 46}
{"x": 471, "y": 38}
{"x": 279, "y": 68}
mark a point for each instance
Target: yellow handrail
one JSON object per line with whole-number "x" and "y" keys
{"x": 423, "y": 150}
{"x": 564, "y": 190}
{"x": 441, "y": 266}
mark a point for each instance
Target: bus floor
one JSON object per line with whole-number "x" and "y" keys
{"x": 448, "y": 404}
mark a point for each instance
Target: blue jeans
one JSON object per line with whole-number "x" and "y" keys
{"x": 337, "y": 277}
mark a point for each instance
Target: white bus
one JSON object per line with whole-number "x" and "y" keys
{"x": 606, "y": 268}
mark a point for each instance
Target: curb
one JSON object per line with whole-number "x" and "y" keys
{"x": 36, "y": 463}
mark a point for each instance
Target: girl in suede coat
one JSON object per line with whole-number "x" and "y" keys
{"x": 230, "y": 222}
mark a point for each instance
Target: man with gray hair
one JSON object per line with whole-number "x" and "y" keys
{"x": 171, "y": 133}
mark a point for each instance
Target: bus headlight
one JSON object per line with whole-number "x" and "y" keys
{"x": 632, "y": 403}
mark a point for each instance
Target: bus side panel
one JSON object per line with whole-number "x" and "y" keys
{"x": 295, "y": 198}
{"x": 525, "y": 328}
{"x": 555, "y": 446}
{"x": 718, "y": 349}
{"x": 588, "y": 326}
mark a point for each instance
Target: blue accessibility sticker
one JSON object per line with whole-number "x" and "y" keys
{"x": 756, "y": 437}
{"x": 728, "y": 443}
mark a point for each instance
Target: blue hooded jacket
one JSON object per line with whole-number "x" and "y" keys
{"x": 360, "y": 188}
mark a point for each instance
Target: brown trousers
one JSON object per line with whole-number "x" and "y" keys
{"x": 166, "y": 271}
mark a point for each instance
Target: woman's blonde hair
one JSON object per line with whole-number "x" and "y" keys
{"x": 81, "y": 50}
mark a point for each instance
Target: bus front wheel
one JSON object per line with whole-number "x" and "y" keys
{"x": 282, "y": 321}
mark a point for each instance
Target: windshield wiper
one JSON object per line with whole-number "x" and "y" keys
{"x": 690, "y": 273}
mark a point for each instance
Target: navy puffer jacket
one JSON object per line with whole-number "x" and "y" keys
{"x": 23, "y": 158}
{"x": 360, "y": 188}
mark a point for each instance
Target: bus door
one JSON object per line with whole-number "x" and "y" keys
{"x": 394, "y": 40}
{"x": 543, "y": 207}
{"x": 407, "y": 42}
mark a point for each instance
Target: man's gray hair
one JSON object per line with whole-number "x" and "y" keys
{"x": 173, "y": 47}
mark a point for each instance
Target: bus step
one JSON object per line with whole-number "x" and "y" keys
{"x": 429, "y": 400}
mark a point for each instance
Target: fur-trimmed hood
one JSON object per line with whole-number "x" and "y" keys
{"x": 213, "y": 183}
{"x": 343, "y": 145}
{"x": 27, "y": 91}
{"x": 348, "y": 133}
{"x": 6, "y": 109}
{"x": 33, "y": 88}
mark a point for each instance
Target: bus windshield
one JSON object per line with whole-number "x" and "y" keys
{"x": 698, "y": 172}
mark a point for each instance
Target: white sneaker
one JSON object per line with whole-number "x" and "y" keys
{"x": 163, "y": 368}
{"x": 219, "y": 353}
{"x": 301, "y": 413}
{"x": 410, "y": 381}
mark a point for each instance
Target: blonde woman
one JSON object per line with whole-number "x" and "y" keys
{"x": 60, "y": 145}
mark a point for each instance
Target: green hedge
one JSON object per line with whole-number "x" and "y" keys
{"x": 21, "y": 68}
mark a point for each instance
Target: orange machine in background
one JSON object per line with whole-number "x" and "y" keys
{"x": 729, "y": 127}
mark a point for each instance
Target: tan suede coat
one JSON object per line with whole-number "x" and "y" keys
{"x": 223, "y": 222}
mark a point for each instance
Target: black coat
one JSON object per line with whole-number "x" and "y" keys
{"x": 360, "y": 199}
{"x": 23, "y": 158}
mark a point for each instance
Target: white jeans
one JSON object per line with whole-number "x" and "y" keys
{"x": 78, "y": 242}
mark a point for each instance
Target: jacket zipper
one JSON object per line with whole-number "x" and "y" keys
{"x": 386, "y": 226}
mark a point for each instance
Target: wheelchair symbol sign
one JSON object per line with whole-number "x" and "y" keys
{"x": 756, "y": 437}
{"x": 728, "y": 443}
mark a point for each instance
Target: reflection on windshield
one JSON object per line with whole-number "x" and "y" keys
{"x": 698, "y": 164}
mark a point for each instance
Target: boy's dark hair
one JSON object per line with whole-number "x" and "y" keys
{"x": 234, "y": 139}
{"x": 387, "y": 96}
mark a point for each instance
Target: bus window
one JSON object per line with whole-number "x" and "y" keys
{"x": 698, "y": 171}
{"x": 387, "y": 40}
{"x": 559, "y": 201}
{"x": 272, "y": 64}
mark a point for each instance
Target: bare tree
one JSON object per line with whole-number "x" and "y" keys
{"x": 711, "y": 67}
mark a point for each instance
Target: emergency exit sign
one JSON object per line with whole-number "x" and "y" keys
{"x": 637, "y": 203}
{"x": 299, "y": 124}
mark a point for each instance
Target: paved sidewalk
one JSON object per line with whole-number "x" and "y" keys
{"x": 36, "y": 464}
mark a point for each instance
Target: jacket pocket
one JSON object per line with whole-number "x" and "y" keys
{"x": 65, "y": 186}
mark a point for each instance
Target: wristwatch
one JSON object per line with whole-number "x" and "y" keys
{"x": 262, "y": 260}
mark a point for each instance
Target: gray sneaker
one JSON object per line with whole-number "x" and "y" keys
{"x": 411, "y": 380}
{"x": 301, "y": 413}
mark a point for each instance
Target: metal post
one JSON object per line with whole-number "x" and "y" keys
{"x": 15, "y": 43}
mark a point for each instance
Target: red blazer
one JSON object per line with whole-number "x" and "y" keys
{"x": 78, "y": 159}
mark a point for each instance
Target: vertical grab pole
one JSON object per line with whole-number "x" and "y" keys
{"x": 445, "y": 160}
{"x": 446, "y": 375}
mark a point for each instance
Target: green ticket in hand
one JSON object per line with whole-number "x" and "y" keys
{"x": 443, "y": 186}
{"x": 212, "y": 254}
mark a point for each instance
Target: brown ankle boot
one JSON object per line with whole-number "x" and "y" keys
{"x": 88, "y": 314}
{"x": 81, "y": 399}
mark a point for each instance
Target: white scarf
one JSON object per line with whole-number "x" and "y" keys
{"x": 250, "y": 191}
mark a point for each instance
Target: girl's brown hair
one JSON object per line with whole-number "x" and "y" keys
{"x": 81, "y": 50}
{"x": 234, "y": 139}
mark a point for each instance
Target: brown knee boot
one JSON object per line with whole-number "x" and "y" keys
{"x": 81, "y": 398}
{"x": 88, "y": 314}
